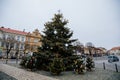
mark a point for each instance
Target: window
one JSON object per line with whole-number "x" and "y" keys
{"x": 8, "y": 36}
{"x": 28, "y": 39}
{"x": 17, "y": 46}
{"x": 22, "y": 39}
{"x": 4, "y": 36}
{"x": 36, "y": 40}
{"x": 18, "y": 38}
{"x": 14, "y": 46}
{"x": 22, "y": 46}
{"x": 2, "y": 44}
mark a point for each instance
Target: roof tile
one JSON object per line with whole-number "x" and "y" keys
{"x": 13, "y": 31}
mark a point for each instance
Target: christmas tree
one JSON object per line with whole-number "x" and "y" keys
{"x": 56, "y": 68}
{"x": 79, "y": 66}
{"x": 57, "y": 42}
{"x": 89, "y": 63}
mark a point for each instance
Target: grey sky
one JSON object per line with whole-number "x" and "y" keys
{"x": 96, "y": 21}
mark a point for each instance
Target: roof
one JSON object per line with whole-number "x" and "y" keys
{"x": 13, "y": 31}
{"x": 102, "y": 48}
{"x": 35, "y": 34}
{"x": 116, "y": 48}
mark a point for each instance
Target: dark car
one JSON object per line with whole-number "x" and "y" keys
{"x": 13, "y": 57}
{"x": 1, "y": 56}
{"x": 113, "y": 58}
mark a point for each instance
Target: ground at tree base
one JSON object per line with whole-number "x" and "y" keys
{"x": 97, "y": 74}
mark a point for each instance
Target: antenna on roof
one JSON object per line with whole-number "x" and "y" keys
{"x": 23, "y": 30}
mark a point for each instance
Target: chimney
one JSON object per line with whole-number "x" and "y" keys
{"x": 2, "y": 27}
{"x": 23, "y": 30}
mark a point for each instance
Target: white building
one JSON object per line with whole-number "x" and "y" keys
{"x": 18, "y": 39}
{"x": 115, "y": 50}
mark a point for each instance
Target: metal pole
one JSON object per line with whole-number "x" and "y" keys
{"x": 116, "y": 68}
{"x": 104, "y": 65}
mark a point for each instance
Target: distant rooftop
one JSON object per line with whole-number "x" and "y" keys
{"x": 116, "y": 48}
{"x": 9, "y": 30}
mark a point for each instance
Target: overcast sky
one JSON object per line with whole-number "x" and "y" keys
{"x": 96, "y": 21}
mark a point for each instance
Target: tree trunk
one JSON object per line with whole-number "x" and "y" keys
{"x": 17, "y": 59}
{"x": 7, "y": 58}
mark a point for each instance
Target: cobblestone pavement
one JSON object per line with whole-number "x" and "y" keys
{"x": 114, "y": 66}
{"x": 98, "y": 74}
{"x": 21, "y": 74}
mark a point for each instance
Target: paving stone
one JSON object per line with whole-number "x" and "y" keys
{"x": 21, "y": 74}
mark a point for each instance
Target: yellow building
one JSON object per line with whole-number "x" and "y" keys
{"x": 87, "y": 50}
{"x": 32, "y": 41}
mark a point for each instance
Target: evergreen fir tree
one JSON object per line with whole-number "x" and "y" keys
{"x": 56, "y": 68}
{"x": 57, "y": 42}
{"x": 79, "y": 66}
{"x": 90, "y": 63}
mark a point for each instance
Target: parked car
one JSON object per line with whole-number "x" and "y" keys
{"x": 113, "y": 58}
{"x": 1, "y": 56}
{"x": 13, "y": 57}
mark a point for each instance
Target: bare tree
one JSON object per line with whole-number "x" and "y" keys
{"x": 9, "y": 44}
{"x": 79, "y": 47}
{"x": 17, "y": 50}
{"x": 90, "y": 47}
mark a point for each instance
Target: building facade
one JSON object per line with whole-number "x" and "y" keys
{"x": 115, "y": 50}
{"x": 12, "y": 37}
{"x": 89, "y": 50}
{"x": 95, "y": 51}
{"x": 32, "y": 41}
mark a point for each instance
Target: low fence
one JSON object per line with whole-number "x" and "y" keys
{"x": 108, "y": 66}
